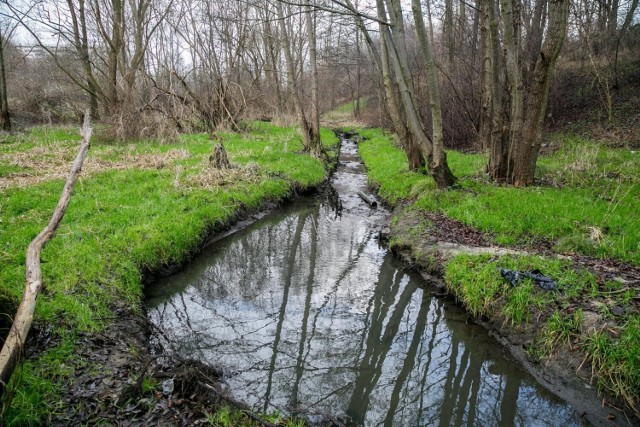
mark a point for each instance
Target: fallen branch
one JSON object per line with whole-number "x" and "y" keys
{"x": 368, "y": 199}
{"x": 14, "y": 344}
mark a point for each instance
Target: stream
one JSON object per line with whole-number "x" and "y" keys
{"x": 307, "y": 313}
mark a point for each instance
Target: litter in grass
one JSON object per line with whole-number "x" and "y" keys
{"x": 516, "y": 277}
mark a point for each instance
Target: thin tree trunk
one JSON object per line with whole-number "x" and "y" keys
{"x": 314, "y": 123}
{"x": 438, "y": 166}
{"x": 79, "y": 23}
{"x": 5, "y": 116}
{"x": 291, "y": 78}
{"x": 114, "y": 56}
{"x": 14, "y": 344}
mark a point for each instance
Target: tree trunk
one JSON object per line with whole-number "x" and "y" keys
{"x": 398, "y": 56}
{"x": 403, "y": 79}
{"x": 315, "y": 145}
{"x": 114, "y": 56}
{"x": 438, "y": 166}
{"x": 291, "y": 78}
{"x": 14, "y": 344}
{"x": 81, "y": 41}
{"x": 525, "y": 158}
{"x": 5, "y": 116}
{"x": 411, "y": 147}
{"x": 494, "y": 120}
{"x": 512, "y": 46}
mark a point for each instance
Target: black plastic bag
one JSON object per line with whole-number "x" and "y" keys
{"x": 516, "y": 277}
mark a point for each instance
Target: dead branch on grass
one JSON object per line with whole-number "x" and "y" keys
{"x": 14, "y": 344}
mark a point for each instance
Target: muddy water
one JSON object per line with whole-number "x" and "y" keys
{"x": 307, "y": 313}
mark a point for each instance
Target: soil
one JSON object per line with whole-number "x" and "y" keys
{"x": 566, "y": 372}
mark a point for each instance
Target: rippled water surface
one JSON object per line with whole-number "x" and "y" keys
{"x": 305, "y": 311}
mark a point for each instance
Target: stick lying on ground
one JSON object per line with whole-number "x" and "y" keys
{"x": 14, "y": 344}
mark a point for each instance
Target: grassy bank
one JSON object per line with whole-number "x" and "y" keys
{"x": 586, "y": 205}
{"x": 138, "y": 207}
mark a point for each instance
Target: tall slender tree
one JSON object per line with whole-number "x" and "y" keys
{"x": 5, "y": 116}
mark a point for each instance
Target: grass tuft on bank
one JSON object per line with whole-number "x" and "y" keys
{"x": 137, "y": 207}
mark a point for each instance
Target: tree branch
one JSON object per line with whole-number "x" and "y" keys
{"x": 14, "y": 344}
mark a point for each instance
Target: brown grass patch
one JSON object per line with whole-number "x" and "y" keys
{"x": 210, "y": 177}
{"x": 43, "y": 164}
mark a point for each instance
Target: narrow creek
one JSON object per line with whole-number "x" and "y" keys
{"x": 305, "y": 312}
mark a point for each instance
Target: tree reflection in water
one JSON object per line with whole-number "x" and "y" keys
{"x": 306, "y": 312}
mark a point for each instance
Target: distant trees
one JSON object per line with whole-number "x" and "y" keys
{"x": 448, "y": 73}
{"x": 144, "y": 65}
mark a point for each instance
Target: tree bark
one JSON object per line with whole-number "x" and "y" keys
{"x": 14, "y": 344}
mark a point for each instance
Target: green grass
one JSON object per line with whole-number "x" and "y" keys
{"x": 616, "y": 362}
{"x": 601, "y": 195}
{"x": 475, "y": 280}
{"x": 121, "y": 223}
{"x": 232, "y": 417}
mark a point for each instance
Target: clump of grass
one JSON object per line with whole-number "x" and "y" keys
{"x": 616, "y": 362}
{"x": 475, "y": 280}
{"x": 559, "y": 330}
{"x": 232, "y": 417}
{"x": 387, "y": 166}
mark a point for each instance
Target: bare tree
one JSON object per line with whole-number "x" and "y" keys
{"x": 396, "y": 45}
{"x": 292, "y": 81}
{"x": 438, "y": 164}
{"x": 516, "y": 130}
{"x": 315, "y": 145}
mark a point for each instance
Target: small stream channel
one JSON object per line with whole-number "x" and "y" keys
{"x": 306, "y": 312}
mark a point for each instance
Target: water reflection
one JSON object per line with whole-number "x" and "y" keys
{"x": 306, "y": 312}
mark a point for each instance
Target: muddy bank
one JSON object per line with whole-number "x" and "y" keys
{"x": 428, "y": 240}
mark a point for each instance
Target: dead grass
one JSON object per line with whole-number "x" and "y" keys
{"x": 210, "y": 177}
{"x": 43, "y": 163}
